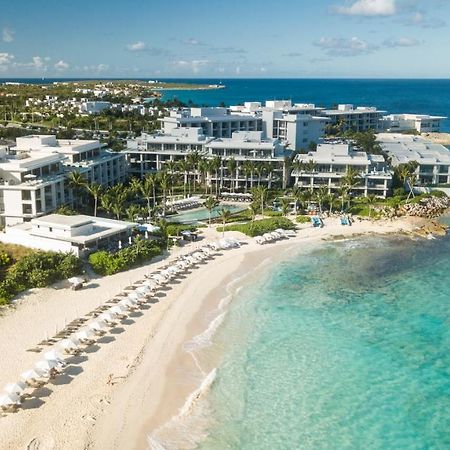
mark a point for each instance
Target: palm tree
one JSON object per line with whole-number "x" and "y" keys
{"x": 76, "y": 181}
{"x": 253, "y": 211}
{"x": 193, "y": 161}
{"x": 310, "y": 168}
{"x": 146, "y": 189}
{"x": 184, "y": 167}
{"x": 343, "y": 194}
{"x": 216, "y": 166}
{"x": 371, "y": 200}
{"x": 231, "y": 167}
{"x": 164, "y": 182}
{"x": 285, "y": 205}
{"x": 95, "y": 190}
{"x": 320, "y": 195}
{"x": 331, "y": 200}
{"x": 132, "y": 212}
{"x": 259, "y": 169}
{"x": 260, "y": 196}
{"x": 135, "y": 186}
{"x": 269, "y": 171}
{"x": 210, "y": 204}
{"x": 247, "y": 169}
{"x": 106, "y": 202}
{"x": 351, "y": 178}
{"x": 225, "y": 215}
{"x": 297, "y": 194}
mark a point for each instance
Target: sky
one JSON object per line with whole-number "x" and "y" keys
{"x": 225, "y": 38}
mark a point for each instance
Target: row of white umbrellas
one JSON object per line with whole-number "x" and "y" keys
{"x": 271, "y": 237}
{"x": 53, "y": 362}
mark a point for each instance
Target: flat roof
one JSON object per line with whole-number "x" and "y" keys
{"x": 63, "y": 221}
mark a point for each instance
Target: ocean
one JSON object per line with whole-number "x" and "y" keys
{"x": 341, "y": 345}
{"x": 426, "y": 96}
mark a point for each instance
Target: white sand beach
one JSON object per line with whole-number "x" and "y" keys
{"x": 134, "y": 379}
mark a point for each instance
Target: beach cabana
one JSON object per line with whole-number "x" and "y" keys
{"x": 86, "y": 336}
{"x": 33, "y": 377}
{"x": 15, "y": 388}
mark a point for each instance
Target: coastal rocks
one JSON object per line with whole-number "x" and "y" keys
{"x": 428, "y": 207}
{"x": 432, "y": 228}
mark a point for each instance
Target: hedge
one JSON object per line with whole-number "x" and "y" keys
{"x": 259, "y": 227}
{"x": 105, "y": 263}
{"x": 38, "y": 269}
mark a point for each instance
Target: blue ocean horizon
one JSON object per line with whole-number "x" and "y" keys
{"x": 421, "y": 96}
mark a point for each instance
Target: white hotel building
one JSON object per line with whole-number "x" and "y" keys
{"x": 33, "y": 174}
{"x": 150, "y": 152}
{"x": 422, "y": 123}
{"x": 433, "y": 159}
{"x": 331, "y": 162}
{"x": 215, "y": 122}
{"x": 360, "y": 118}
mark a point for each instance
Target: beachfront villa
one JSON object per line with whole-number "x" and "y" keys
{"x": 422, "y": 123}
{"x": 351, "y": 118}
{"x": 433, "y": 159}
{"x": 33, "y": 174}
{"x": 150, "y": 152}
{"x": 78, "y": 234}
{"x": 328, "y": 166}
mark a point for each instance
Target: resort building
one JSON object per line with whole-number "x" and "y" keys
{"x": 422, "y": 123}
{"x": 33, "y": 174}
{"x": 328, "y": 165}
{"x": 78, "y": 234}
{"x": 351, "y": 118}
{"x": 90, "y": 157}
{"x": 215, "y": 122}
{"x": 94, "y": 107}
{"x": 258, "y": 160}
{"x": 297, "y": 131}
{"x": 150, "y": 152}
{"x": 433, "y": 159}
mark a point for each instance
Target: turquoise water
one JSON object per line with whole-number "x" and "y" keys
{"x": 202, "y": 214}
{"x": 345, "y": 346}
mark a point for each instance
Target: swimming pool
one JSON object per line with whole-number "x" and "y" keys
{"x": 202, "y": 214}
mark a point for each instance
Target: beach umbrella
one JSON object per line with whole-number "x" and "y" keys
{"x": 128, "y": 303}
{"x": 120, "y": 310}
{"x": 70, "y": 344}
{"x": 144, "y": 290}
{"x": 46, "y": 365}
{"x": 33, "y": 374}
{"x": 8, "y": 400}
{"x": 54, "y": 356}
{"x": 98, "y": 325}
{"x": 15, "y": 388}
{"x": 86, "y": 334}
{"x": 110, "y": 318}
{"x": 150, "y": 284}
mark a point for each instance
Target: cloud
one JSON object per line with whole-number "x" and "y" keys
{"x": 401, "y": 42}
{"x": 195, "y": 65}
{"x": 293, "y": 54}
{"x": 420, "y": 19}
{"x": 232, "y": 50}
{"x": 191, "y": 41}
{"x": 137, "y": 46}
{"x": 368, "y": 8}
{"x": 61, "y": 65}
{"x": 98, "y": 68}
{"x": 6, "y": 58}
{"x": 345, "y": 47}
{"x": 7, "y": 35}
{"x": 142, "y": 47}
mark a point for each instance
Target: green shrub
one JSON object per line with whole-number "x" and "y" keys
{"x": 174, "y": 229}
{"x": 105, "y": 263}
{"x": 272, "y": 213}
{"x": 38, "y": 269}
{"x": 303, "y": 219}
{"x": 259, "y": 227}
{"x": 4, "y": 259}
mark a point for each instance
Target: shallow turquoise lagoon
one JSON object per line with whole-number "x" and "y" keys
{"x": 346, "y": 346}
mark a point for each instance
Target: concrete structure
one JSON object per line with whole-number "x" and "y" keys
{"x": 94, "y": 107}
{"x": 422, "y": 123}
{"x": 33, "y": 174}
{"x": 215, "y": 122}
{"x": 330, "y": 164}
{"x": 78, "y": 234}
{"x": 90, "y": 157}
{"x": 433, "y": 159}
{"x": 297, "y": 131}
{"x": 149, "y": 153}
{"x": 361, "y": 118}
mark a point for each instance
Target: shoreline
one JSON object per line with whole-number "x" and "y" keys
{"x": 85, "y": 411}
